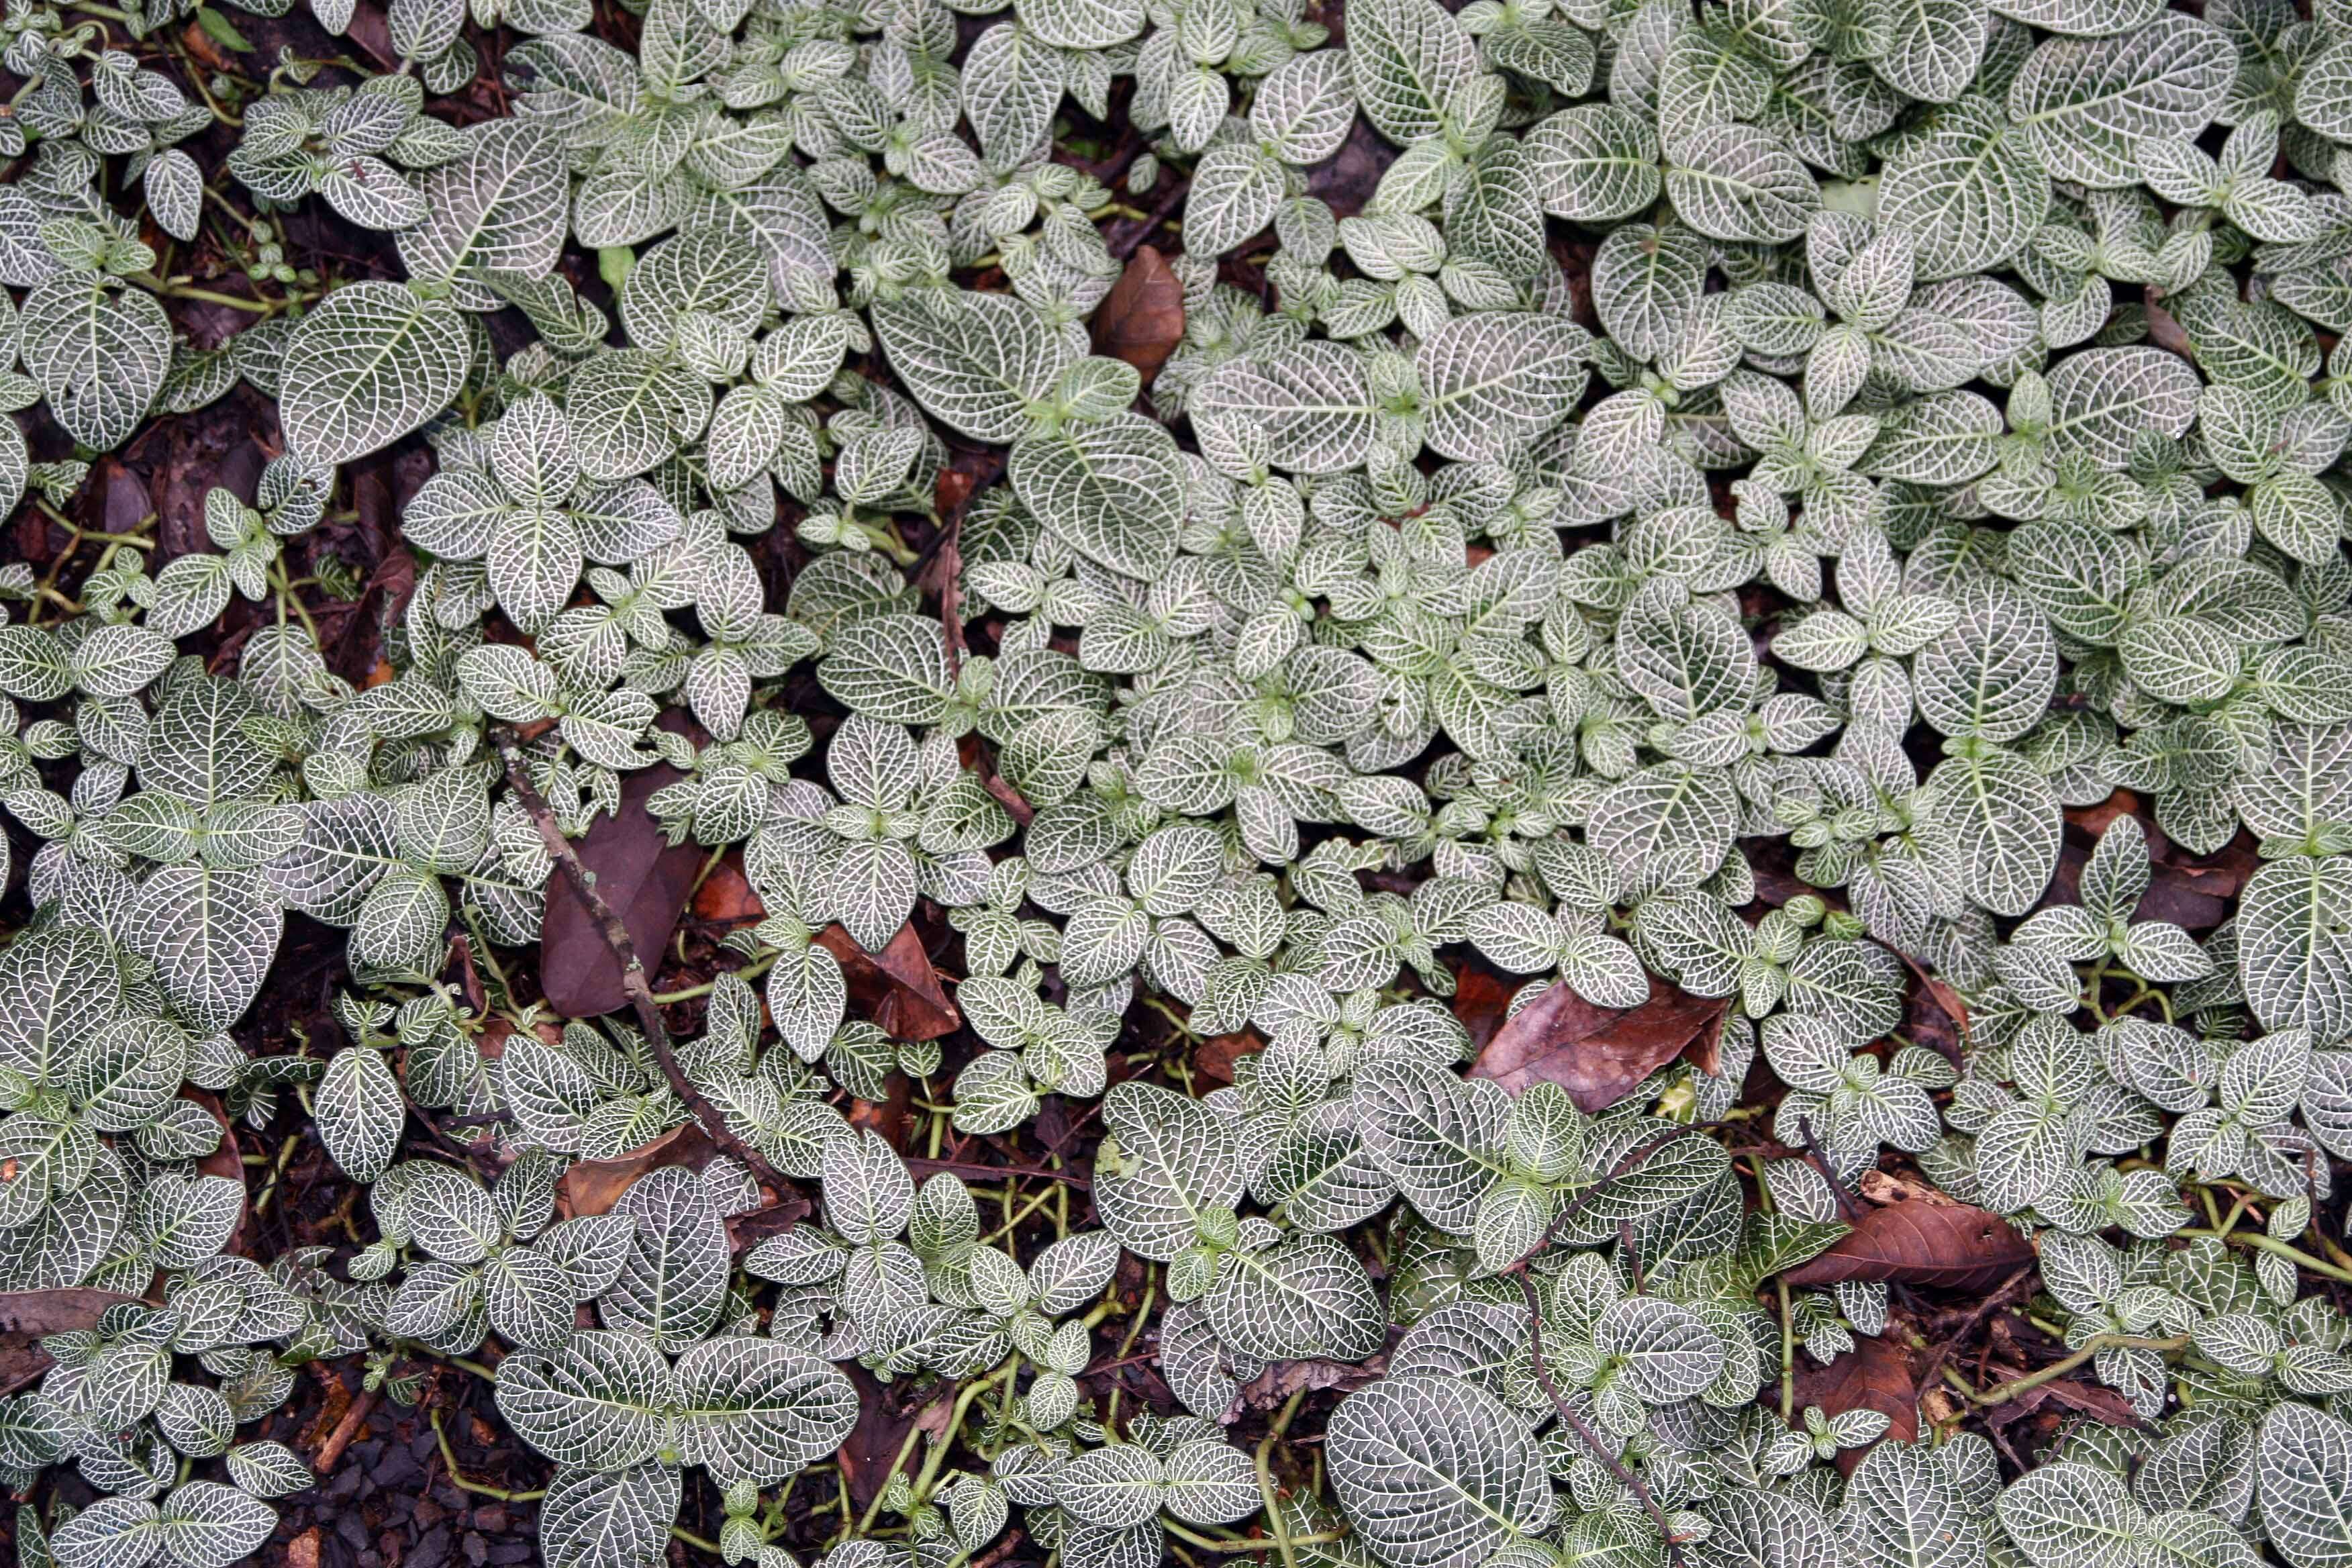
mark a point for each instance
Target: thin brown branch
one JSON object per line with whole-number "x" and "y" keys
{"x": 1127, "y": 244}
{"x": 345, "y": 1430}
{"x": 634, "y": 980}
{"x": 1850, "y": 1207}
{"x": 1584, "y": 1433}
{"x": 1633, "y": 1157}
{"x": 921, "y": 1165}
{"x": 1984, "y": 1309}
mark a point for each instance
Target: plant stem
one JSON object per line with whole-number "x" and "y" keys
{"x": 633, "y": 972}
{"x": 2058, "y": 1368}
{"x": 458, "y": 1477}
{"x": 2261, "y": 1243}
{"x": 1586, "y": 1435}
{"x": 1210, "y": 1543}
{"x": 752, "y": 971}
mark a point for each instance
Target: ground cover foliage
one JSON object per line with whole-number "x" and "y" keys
{"x": 1610, "y": 822}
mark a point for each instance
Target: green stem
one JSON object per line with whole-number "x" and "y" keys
{"x": 458, "y": 1477}
{"x": 1006, "y": 1369}
{"x": 752, "y": 971}
{"x": 1210, "y": 1543}
{"x": 2261, "y": 1243}
{"x": 1274, "y": 1519}
{"x": 2058, "y": 1368}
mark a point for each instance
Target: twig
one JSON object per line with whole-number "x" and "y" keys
{"x": 1850, "y": 1207}
{"x": 1586, "y": 1435}
{"x": 2058, "y": 1368}
{"x": 949, "y": 562}
{"x": 1130, "y": 243}
{"x": 633, "y": 972}
{"x": 1633, "y": 1156}
{"x": 1984, "y": 1309}
{"x": 974, "y": 1168}
{"x": 345, "y": 1430}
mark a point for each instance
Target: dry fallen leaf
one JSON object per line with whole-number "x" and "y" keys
{"x": 897, "y": 987}
{"x": 1480, "y": 1001}
{"x": 26, "y": 1315}
{"x": 1141, "y": 319}
{"x": 1947, "y": 1245}
{"x": 1215, "y": 1057}
{"x": 594, "y": 1186}
{"x": 727, "y": 897}
{"x": 641, "y": 875}
{"x": 1874, "y": 1375}
{"x": 226, "y": 1162}
{"x": 1599, "y": 1054}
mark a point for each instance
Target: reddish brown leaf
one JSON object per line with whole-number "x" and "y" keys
{"x": 226, "y": 1160}
{"x": 872, "y": 1451}
{"x": 1141, "y": 319}
{"x": 2193, "y": 892}
{"x": 594, "y": 1186}
{"x": 1480, "y": 1000}
{"x": 745, "y": 1231}
{"x": 1598, "y": 1054}
{"x": 2100, "y": 1404}
{"x": 950, "y": 491}
{"x": 898, "y": 986}
{"x": 1283, "y": 1380}
{"x": 727, "y": 897}
{"x": 1874, "y": 1375}
{"x": 641, "y": 875}
{"x": 891, "y": 1116}
{"x": 1934, "y": 1014}
{"x": 26, "y": 1315}
{"x": 1215, "y": 1057}
{"x": 1951, "y": 1247}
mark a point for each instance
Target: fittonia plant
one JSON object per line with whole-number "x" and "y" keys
{"x": 1880, "y": 428}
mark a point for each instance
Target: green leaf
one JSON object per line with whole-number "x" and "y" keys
{"x": 2294, "y": 944}
{"x": 368, "y": 365}
{"x": 1436, "y": 1472}
{"x": 99, "y": 353}
{"x": 1113, "y": 489}
{"x": 2303, "y": 1467}
{"x": 1497, "y": 380}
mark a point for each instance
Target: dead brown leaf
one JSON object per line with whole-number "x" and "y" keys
{"x": 1271, "y": 1388}
{"x": 872, "y": 1450}
{"x": 1215, "y": 1057}
{"x": 224, "y": 1162}
{"x": 26, "y": 1315}
{"x": 2100, "y": 1404}
{"x": 891, "y": 1116}
{"x": 1934, "y": 1014}
{"x": 1599, "y": 1054}
{"x": 897, "y": 986}
{"x": 1480, "y": 1001}
{"x": 594, "y": 1186}
{"x": 1893, "y": 1187}
{"x": 641, "y": 875}
{"x": 727, "y": 897}
{"x": 1947, "y": 1245}
{"x": 1874, "y": 1375}
{"x": 745, "y": 1231}
{"x": 1141, "y": 319}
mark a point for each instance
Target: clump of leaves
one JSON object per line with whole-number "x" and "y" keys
{"x": 1947, "y": 438}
